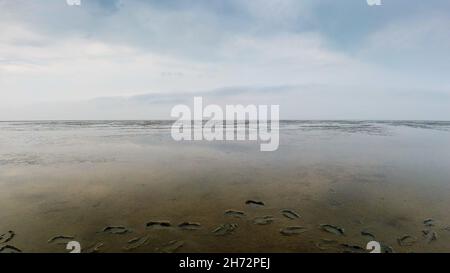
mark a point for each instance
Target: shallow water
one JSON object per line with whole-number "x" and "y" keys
{"x": 76, "y": 178}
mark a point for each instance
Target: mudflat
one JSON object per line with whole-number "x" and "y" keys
{"x": 127, "y": 186}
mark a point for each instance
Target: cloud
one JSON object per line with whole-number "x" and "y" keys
{"x": 428, "y": 36}
{"x": 54, "y": 53}
{"x": 307, "y": 102}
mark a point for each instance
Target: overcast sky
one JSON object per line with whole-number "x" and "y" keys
{"x": 318, "y": 59}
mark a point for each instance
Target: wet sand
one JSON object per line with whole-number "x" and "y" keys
{"x": 77, "y": 178}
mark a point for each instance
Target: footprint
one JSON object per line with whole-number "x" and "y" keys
{"x": 254, "y": 203}
{"x": 264, "y": 220}
{"x": 171, "y": 247}
{"x": 6, "y": 237}
{"x": 332, "y": 229}
{"x": 428, "y": 222}
{"x": 235, "y": 213}
{"x": 189, "y": 226}
{"x": 352, "y": 248}
{"x": 137, "y": 242}
{"x": 60, "y": 239}
{"x": 9, "y": 249}
{"x": 335, "y": 203}
{"x": 134, "y": 240}
{"x": 367, "y": 233}
{"x": 386, "y": 249}
{"x": 294, "y": 230}
{"x": 326, "y": 244}
{"x": 429, "y": 235}
{"x": 290, "y": 214}
{"x": 225, "y": 229}
{"x": 95, "y": 248}
{"x": 406, "y": 240}
{"x": 116, "y": 230}
{"x": 158, "y": 224}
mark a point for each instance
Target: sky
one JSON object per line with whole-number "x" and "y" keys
{"x": 136, "y": 59}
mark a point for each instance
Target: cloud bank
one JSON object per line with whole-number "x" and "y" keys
{"x": 317, "y": 59}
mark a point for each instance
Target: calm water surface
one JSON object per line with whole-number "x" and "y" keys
{"x": 77, "y": 178}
